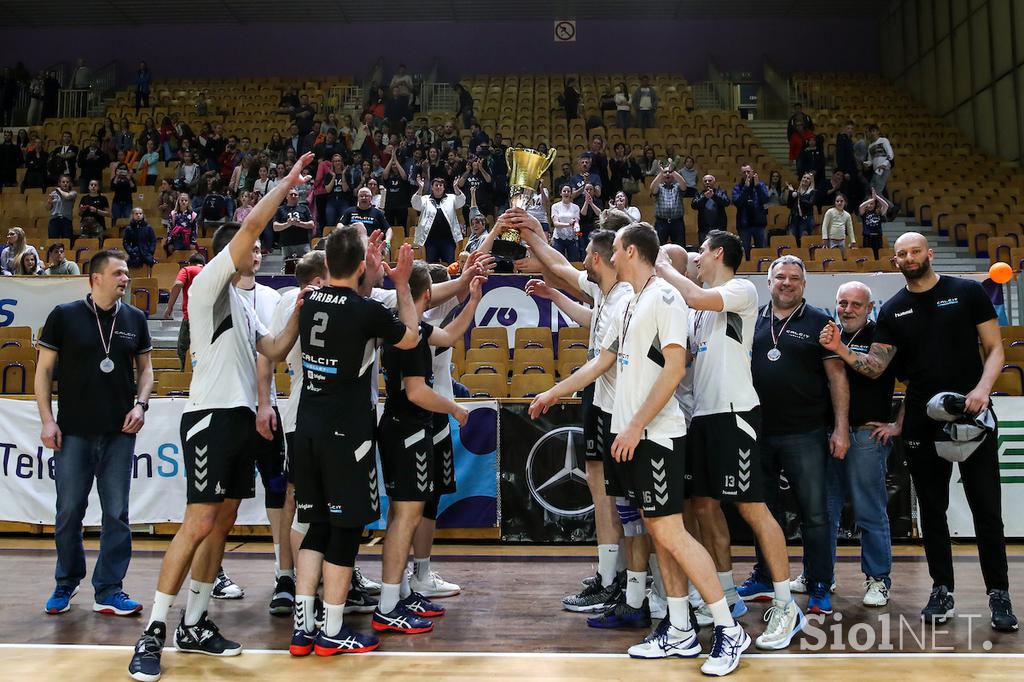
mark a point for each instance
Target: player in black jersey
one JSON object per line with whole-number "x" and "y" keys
{"x": 407, "y": 453}
{"x": 335, "y": 470}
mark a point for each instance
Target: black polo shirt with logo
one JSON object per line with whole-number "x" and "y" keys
{"x": 870, "y": 399}
{"x": 936, "y": 337}
{"x": 793, "y": 390}
{"x": 90, "y": 402}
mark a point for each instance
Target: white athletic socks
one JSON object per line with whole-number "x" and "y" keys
{"x": 389, "y": 596}
{"x": 422, "y": 568}
{"x": 277, "y": 560}
{"x": 620, "y": 557}
{"x": 607, "y": 556}
{"x": 636, "y": 588}
{"x": 334, "y": 615}
{"x": 305, "y": 619}
{"x": 696, "y": 601}
{"x": 290, "y": 572}
{"x": 678, "y": 612}
{"x": 782, "y": 593}
{"x": 198, "y": 601}
{"x": 720, "y": 612}
{"x": 405, "y": 589}
{"x": 161, "y": 607}
{"x": 729, "y": 587}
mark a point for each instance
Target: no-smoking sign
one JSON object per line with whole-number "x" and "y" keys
{"x": 565, "y": 31}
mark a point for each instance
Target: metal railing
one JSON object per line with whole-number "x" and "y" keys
{"x": 811, "y": 96}
{"x": 712, "y": 95}
{"x": 437, "y": 97}
{"x": 344, "y": 98}
{"x": 72, "y": 103}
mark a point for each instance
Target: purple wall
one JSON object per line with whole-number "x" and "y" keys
{"x": 236, "y": 51}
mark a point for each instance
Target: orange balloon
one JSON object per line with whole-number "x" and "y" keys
{"x": 1000, "y": 273}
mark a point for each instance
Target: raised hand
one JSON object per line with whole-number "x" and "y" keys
{"x": 830, "y": 337}
{"x": 479, "y": 264}
{"x": 374, "y": 253}
{"x": 403, "y": 268}
{"x": 541, "y": 404}
{"x": 295, "y": 175}
{"x": 540, "y": 289}
{"x": 476, "y": 289}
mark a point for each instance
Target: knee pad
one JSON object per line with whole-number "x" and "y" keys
{"x": 317, "y": 537}
{"x": 430, "y": 508}
{"x": 299, "y": 526}
{"x": 343, "y": 546}
{"x": 629, "y": 516}
{"x": 274, "y": 492}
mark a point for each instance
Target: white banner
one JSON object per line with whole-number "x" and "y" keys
{"x": 27, "y": 301}
{"x": 1010, "y": 412}
{"x": 27, "y": 492}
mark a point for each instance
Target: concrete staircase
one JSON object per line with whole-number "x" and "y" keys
{"x": 771, "y": 134}
{"x": 948, "y": 256}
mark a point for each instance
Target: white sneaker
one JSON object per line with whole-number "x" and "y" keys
{"x": 704, "y": 617}
{"x": 727, "y": 643}
{"x": 667, "y": 641}
{"x": 875, "y": 592}
{"x": 784, "y": 621}
{"x": 659, "y": 607}
{"x": 433, "y": 586}
{"x": 226, "y": 588}
{"x": 370, "y": 587}
{"x": 799, "y": 585}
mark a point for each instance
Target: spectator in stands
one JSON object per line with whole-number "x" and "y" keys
{"x": 667, "y": 190}
{"x": 623, "y": 107}
{"x": 464, "y": 108}
{"x": 836, "y": 185}
{"x": 837, "y": 227}
{"x": 105, "y": 134}
{"x": 92, "y": 161}
{"x": 336, "y": 190}
{"x": 168, "y": 140}
{"x": 143, "y": 83}
{"x": 479, "y": 182}
{"x": 590, "y": 212}
{"x": 93, "y": 209}
{"x": 275, "y": 147}
{"x": 623, "y": 171}
{"x": 60, "y": 202}
{"x": 182, "y": 283}
{"x": 123, "y": 186}
{"x": 403, "y": 83}
{"x": 872, "y": 215}
{"x": 477, "y": 230}
{"x": 139, "y": 240}
{"x": 571, "y": 100}
{"x": 15, "y": 249}
{"x": 244, "y": 207}
{"x": 846, "y": 159}
{"x": 645, "y": 99}
{"x": 365, "y": 213}
{"x": 148, "y": 163}
{"x": 565, "y": 225}
{"x": 166, "y": 200}
{"x": 184, "y": 226}
{"x": 799, "y": 118}
{"x": 288, "y": 102}
{"x": 58, "y": 264}
{"x": 263, "y": 183}
{"x": 812, "y": 160}
{"x": 750, "y": 196}
{"x": 564, "y": 179}
{"x": 395, "y": 182}
{"x": 28, "y": 265}
{"x": 585, "y": 176}
{"x": 649, "y": 163}
{"x": 36, "y": 95}
{"x": 599, "y": 162}
{"x": 477, "y": 136}
{"x": 710, "y": 206}
{"x": 295, "y": 224}
{"x": 188, "y": 172}
{"x": 775, "y": 189}
{"x": 798, "y": 138}
{"x": 303, "y": 116}
{"x": 621, "y": 202}
{"x": 396, "y": 111}
{"x": 216, "y": 208}
{"x": 688, "y": 171}
{"x": 438, "y": 230}
{"x": 149, "y": 133}
{"x": 9, "y": 87}
{"x": 539, "y": 206}
{"x": 67, "y": 154}
{"x": 36, "y": 159}
{"x": 124, "y": 140}
{"x": 433, "y": 166}
{"x": 880, "y": 159}
{"x": 801, "y": 202}
{"x": 450, "y": 138}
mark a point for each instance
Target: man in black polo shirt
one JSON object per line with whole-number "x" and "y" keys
{"x": 710, "y": 205}
{"x": 861, "y": 474}
{"x": 935, "y": 325}
{"x": 366, "y": 213}
{"x": 800, "y": 387}
{"x": 94, "y": 343}
{"x": 295, "y": 223}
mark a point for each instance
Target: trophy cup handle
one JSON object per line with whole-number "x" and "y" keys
{"x": 551, "y": 159}
{"x": 508, "y": 158}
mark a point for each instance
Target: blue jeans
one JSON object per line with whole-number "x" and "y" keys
{"x": 670, "y": 231}
{"x": 440, "y": 250}
{"x": 861, "y": 475}
{"x": 108, "y": 459}
{"x": 622, "y": 118}
{"x": 646, "y": 118}
{"x": 333, "y": 209}
{"x": 801, "y": 226}
{"x": 804, "y": 459}
{"x": 121, "y": 209}
{"x": 59, "y": 227}
{"x": 756, "y": 236}
{"x": 567, "y": 247}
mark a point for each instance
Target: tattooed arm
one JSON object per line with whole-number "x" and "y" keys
{"x": 871, "y": 364}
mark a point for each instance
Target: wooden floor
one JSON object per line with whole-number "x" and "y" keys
{"x": 507, "y": 624}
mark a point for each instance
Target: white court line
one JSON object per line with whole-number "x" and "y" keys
{"x": 509, "y": 654}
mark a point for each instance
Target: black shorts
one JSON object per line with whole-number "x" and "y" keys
{"x": 407, "y": 459}
{"x": 653, "y": 480}
{"x": 218, "y": 450}
{"x": 336, "y": 474}
{"x": 289, "y": 457}
{"x": 444, "y": 456}
{"x": 723, "y": 459}
{"x": 591, "y": 420}
{"x": 270, "y": 463}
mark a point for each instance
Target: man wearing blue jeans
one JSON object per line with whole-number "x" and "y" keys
{"x": 99, "y": 410}
{"x": 861, "y": 474}
{"x": 667, "y": 190}
{"x": 800, "y": 385}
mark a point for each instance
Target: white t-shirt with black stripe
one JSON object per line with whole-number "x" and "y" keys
{"x": 604, "y": 387}
{"x": 283, "y": 313}
{"x": 264, "y": 299}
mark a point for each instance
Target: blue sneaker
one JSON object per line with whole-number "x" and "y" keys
{"x": 821, "y": 600}
{"x": 118, "y": 604}
{"x": 419, "y": 605}
{"x": 60, "y": 600}
{"x": 758, "y": 587}
{"x": 400, "y": 620}
{"x": 302, "y": 643}
{"x": 347, "y": 641}
{"x": 622, "y": 615}
{"x": 145, "y": 665}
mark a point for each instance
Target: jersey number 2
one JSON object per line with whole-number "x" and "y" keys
{"x": 316, "y": 332}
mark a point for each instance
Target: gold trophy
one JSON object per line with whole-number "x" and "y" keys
{"x": 525, "y": 168}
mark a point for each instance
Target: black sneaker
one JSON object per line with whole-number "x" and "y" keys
{"x": 204, "y": 638}
{"x": 283, "y": 601}
{"x": 145, "y": 665}
{"x": 1003, "y": 619}
{"x": 940, "y": 606}
{"x": 620, "y": 577}
{"x": 359, "y": 601}
{"x": 226, "y": 588}
{"x": 370, "y": 587}
{"x": 593, "y": 599}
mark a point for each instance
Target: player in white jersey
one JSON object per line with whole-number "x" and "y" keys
{"x": 722, "y": 455}
{"x": 647, "y": 340}
{"x": 217, "y": 434}
{"x": 598, "y": 283}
